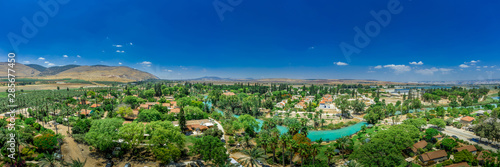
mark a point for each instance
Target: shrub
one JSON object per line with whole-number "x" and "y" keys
{"x": 36, "y": 126}
{"x": 45, "y": 142}
{"x": 29, "y": 121}
{"x": 447, "y": 162}
{"x": 40, "y": 156}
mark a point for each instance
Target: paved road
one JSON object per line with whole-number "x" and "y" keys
{"x": 466, "y": 136}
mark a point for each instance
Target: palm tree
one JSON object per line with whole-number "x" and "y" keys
{"x": 293, "y": 146}
{"x": 304, "y": 151}
{"x": 343, "y": 143}
{"x": 255, "y": 155}
{"x": 247, "y": 141}
{"x": 75, "y": 163}
{"x": 48, "y": 160}
{"x": 330, "y": 153}
{"x": 284, "y": 140}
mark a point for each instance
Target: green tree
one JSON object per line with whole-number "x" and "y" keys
{"x": 103, "y": 132}
{"x": 149, "y": 115}
{"x": 448, "y": 144}
{"x": 463, "y": 156}
{"x": 124, "y": 111}
{"x": 132, "y": 134}
{"x": 132, "y": 101}
{"x": 211, "y": 149}
{"x": 249, "y": 123}
{"x": 182, "y": 121}
{"x": 438, "y": 122}
{"x": 430, "y": 132}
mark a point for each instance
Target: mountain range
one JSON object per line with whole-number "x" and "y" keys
{"x": 89, "y": 73}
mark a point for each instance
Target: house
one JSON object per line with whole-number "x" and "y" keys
{"x": 151, "y": 104}
{"x": 195, "y": 127}
{"x": 467, "y": 120}
{"x": 108, "y": 96}
{"x": 438, "y": 137}
{"x": 325, "y": 105}
{"x": 85, "y": 112}
{"x": 95, "y": 105}
{"x": 301, "y": 105}
{"x": 469, "y": 148}
{"x": 309, "y": 99}
{"x": 296, "y": 97}
{"x": 175, "y": 110}
{"x": 84, "y": 102}
{"x": 483, "y": 155}
{"x": 435, "y": 156}
{"x": 418, "y": 145}
{"x": 281, "y": 104}
{"x": 227, "y": 93}
{"x": 461, "y": 164}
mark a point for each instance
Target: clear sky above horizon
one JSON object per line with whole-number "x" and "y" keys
{"x": 423, "y": 40}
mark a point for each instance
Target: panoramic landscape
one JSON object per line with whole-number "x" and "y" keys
{"x": 249, "y": 84}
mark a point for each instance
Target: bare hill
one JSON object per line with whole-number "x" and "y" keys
{"x": 89, "y": 73}
{"x": 104, "y": 73}
{"x": 20, "y": 70}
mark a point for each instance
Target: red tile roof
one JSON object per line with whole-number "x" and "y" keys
{"x": 467, "y": 119}
{"x": 433, "y": 155}
{"x": 418, "y": 145}
{"x": 461, "y": 164}
{"x": 95, "y": 105}
{"x": 175, "y": 110}
{"x": 469, "y": 148}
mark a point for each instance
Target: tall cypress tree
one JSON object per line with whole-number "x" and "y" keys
{"x": 182, "y": 120}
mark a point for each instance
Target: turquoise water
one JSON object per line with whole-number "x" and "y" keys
{"x": 314, "y": 135}
{"x": 496, "y": 98}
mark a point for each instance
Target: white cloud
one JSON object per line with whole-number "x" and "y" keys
{"x": 485, "y": 66}
{"x": 131, "y": 43}
{"x": 65, "y": 55}
{"x": 78, "y": 56}
{"x": 475, "y": 61}
{"x": 463, "y": 66}
{"x": 120, "y": 51}
{"x": 417, "y": 63}
{"x": 170, "y": 71}
{"x": 378, "y": 67}
{"x": 46, "y": 62}
{"x": 118, "y": 46}
{"x": 51, "y": 64}
{"x": 146, "y": 63}
{"x": 41, "y": 58}
{"x": 371, "y": 71}
{"x": 431, "y": 71}
{"x": 26, "y": 62}
{"x": 398, "y": 68}
{"x": 478, "y": 69}
{"x": 120, "y": 63}
{"x": 340, "y": 63}
{"x": 445, "y": 70}
{"x": 311, "y": 48}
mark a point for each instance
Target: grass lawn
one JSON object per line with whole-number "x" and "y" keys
{"x": 3, "y": 94}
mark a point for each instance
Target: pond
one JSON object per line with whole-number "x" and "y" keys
{"x": 326, "y": 135}
{"x": 496, "y": 98}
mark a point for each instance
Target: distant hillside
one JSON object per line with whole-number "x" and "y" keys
{"x": 37, "y": 67}
{"x": 296, "y": 81}
{"x": 89, "y": 73}
{"x": 211, "y": 78}
{"x": 20, "y": 70}
{"x": 104, "y": 73}
{"x": 51, "y": 70}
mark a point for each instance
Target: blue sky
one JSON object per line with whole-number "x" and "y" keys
{"x": 262, "y": 39}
